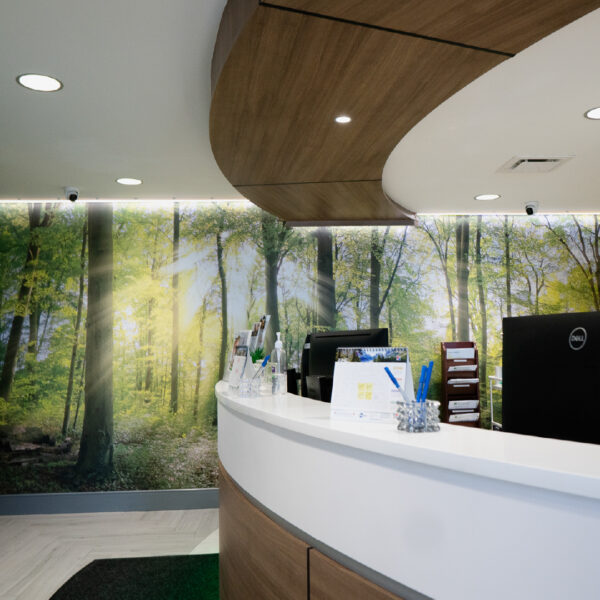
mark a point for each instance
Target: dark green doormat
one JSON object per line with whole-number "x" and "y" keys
{"x": 157, "y": 577}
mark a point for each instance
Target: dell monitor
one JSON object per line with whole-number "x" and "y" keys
{"x": 318, "y": 357}
{"x": 550, "y": 366}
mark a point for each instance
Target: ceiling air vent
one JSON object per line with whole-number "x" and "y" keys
{"x": 529, "y": 164}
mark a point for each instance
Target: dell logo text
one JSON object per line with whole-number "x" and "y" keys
{"x": 577, "y": 338}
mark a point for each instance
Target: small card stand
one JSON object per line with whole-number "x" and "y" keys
{"x": 362, "y": 390}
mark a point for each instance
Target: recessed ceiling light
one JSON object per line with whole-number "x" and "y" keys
{"x": 593, "y": 113}
{"x": 487, "y": 197}
{"x": 343, "y": 119}
{"x": 129, "y": 181}
{"x": 39, "y": 83}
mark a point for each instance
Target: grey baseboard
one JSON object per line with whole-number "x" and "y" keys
{"x": 78, "y": 502}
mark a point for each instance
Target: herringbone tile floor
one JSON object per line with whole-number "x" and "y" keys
{"x": 38, "y": 553}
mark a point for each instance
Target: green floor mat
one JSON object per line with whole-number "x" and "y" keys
{"x": 164, "y": 577}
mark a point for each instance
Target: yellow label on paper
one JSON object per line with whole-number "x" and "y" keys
{"x": 365, "y": 391}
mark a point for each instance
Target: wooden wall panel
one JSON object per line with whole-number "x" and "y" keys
{"x": 333, "y": 203}
{"x": 289, "y": 75}
{"x": 501, "y": 25}
{"x": 257, "y": 558}
{"x": 331, "y": 581}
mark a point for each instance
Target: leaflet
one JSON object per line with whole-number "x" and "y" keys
{"x": 462, "y": 404}
{"x": 462, "y": 368}
{"x": 463, "y": 417}
{"x": 453, "y": 353}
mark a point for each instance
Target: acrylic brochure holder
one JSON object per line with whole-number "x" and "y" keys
{"x": 362, "y": 390}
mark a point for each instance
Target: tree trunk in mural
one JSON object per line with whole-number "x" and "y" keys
{"x": 173, "y": 405}
{"x": 377, "y": 249}
{"x": 271, "y": 252}
{"x": 462, "y": 277}
{"x": 483, "y": 312}
{"x": 441, "y": 242}
{"x": 67, "y": 412}
{"x": 81, "y": 366}
{"x": 271, "y": 304}
{"x": 36, "y": 221}
{"x": 390, "y": 282}
{"x": 507, "y": 266}
{"x": 201, "y": 320}
{"x": 34, "y": 326}
{"x": 96, "y": 449}
{"x": 224, "y": 330}
{"x": 149, "y": 354}
{"x": 149, "y": 374}
{"x": 325, "y": 281}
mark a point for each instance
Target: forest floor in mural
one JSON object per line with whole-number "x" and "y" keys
{"x": 149, "y": 453}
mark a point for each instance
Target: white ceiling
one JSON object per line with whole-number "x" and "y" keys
{"x": 135, "y": 101}
{"x": 530, "y": 105}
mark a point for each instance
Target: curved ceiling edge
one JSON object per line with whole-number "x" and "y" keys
{"x": 281, "y": 75}
{"x": 479, "y": 141}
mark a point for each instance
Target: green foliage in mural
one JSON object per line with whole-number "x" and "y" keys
{"x": 234, "y": 264}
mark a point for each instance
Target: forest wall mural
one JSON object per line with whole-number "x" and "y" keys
{"x": 115, "y": 319}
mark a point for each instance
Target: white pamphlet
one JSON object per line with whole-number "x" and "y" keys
{"x": 454, "y": 353}
{"x": 464, "y": 404}
{"x": 462, "y": 368}
{"x": 463, "y": 417}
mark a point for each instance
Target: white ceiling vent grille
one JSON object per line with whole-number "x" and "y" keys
{"x": 530, "y": 164}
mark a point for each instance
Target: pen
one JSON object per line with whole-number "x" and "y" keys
{"x": 395, "y": 382}
{"x": 426, "y": 382}
{"x": 421, "y": 382}
{"x": 262, "y": 366}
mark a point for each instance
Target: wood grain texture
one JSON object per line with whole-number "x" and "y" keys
{"x": 331, "y": 581}
{"x": 289, "y": 76}
{"x": 235, "y": 15}
{"x": 258, "y": 559}
{"x": 501, "y": 25}
{"x": 340, "y": 202}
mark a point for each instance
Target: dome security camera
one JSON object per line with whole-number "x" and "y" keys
{"x": 71, "y": 193}
{"x": 531, "y": 208}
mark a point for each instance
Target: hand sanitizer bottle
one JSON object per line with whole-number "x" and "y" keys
{"x": 278, "y": 368}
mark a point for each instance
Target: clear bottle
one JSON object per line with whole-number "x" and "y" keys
{"x": 277, "y": 368}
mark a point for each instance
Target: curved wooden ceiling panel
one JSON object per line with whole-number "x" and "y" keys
{"x": 501, "y": 25}
{"x": 280, "y": 76}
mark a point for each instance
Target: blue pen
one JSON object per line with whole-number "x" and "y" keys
{"x": 262, "y": 366}
{"x": 395, "y": 382}
{"x": 427, "y": 380}
{"x": 421, "y": 382}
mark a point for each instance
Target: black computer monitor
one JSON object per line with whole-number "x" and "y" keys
{"x": 318, "y": 357}
{"x": 550, "y": 366}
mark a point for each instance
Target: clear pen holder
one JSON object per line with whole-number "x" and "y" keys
{"x": 249, "y": 387}
{"x": 419, "y": 417}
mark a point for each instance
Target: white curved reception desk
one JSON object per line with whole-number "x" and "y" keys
{"x": 462, "y": 514}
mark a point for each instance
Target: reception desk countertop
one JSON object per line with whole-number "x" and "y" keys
{"x": 462, "y": 513}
